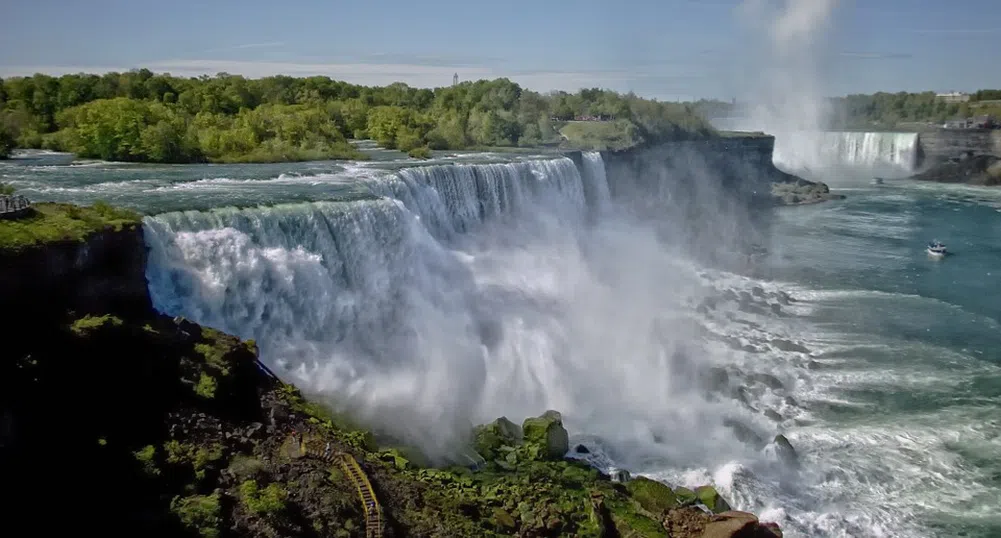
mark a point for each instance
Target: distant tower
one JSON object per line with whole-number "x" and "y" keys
{"x": 455, "y": 79}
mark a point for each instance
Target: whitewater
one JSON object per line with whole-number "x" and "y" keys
{"x": 427, "y": 298}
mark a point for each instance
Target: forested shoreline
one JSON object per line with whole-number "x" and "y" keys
{"x": 891, "y": 109}
{"x": 148, "y": 117}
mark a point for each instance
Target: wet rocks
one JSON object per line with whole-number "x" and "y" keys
{"x": 788, "y": 345}
{"x": 490, "y": 438}
{"x": 718, "y": 380}
{"x": 538, "y": 438}
{"x": 547, "y": 432}
{"x": 655, "y": 497}
{"x": 768, "y": 380}
{"x": 774, "y": 415}
{"x": 711, "y": 499}
{"x": 744, "y": 433}
{"x": 785, "y": 451}
{"x": 735, "y": 524}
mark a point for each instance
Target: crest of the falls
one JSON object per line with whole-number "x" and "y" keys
{"x": 805, "y": 150}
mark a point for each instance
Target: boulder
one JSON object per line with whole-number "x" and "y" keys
{"x": 708, "y": 496}
{"x": 718, "y": 379}
{"x": 685, "y": 496}
{"x": 503, "y": 519}
{"x": 601, "y": 515}
{"x": 490, "y": 438}
{"x": 769, "y": 530}
{"x": 547, "y": 434}
{"x": 773, "y": 414}
{"x": 788, "y": 345}
{"x": 732, "y": 524}
{"x": 655, "y": 497}
{"x": 744, "y": 433}
{"x": 785, "y": 451}
{"x": 769, "y": 380}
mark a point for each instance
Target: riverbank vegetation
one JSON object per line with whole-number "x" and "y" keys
{"x": 895, "y": 109}
{"x": 52, "y": 222}
{"x": 142, "y": 116}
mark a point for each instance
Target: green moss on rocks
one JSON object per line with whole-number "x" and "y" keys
{"x": 653, "y": 496}
{"x": 489, "y": 440}
{"x": 146, "y": 456}
{"x": 685, "y": 496}
{"x": 49, "y": 222}
{"x": 268, "y": 502}
{"x": 712, "y": 499}
{"x": 199, "y": 513}
{"x": 90, "y": 324}
{"x": 546, "y": 435}
{"x": 206, "y": 386}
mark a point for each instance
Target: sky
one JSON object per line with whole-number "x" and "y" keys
{"x": 665, "y": 49}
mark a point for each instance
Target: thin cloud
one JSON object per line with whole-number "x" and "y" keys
{"x": 265, "y": 45}
{"x": 876, "y": 55}
{"x": 953, "y": 31}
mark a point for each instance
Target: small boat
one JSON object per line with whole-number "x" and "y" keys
{"x": 936, "y": 248}
{"x": 877, "y": 181}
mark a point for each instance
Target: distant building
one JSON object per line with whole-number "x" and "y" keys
{"x": 954, "y": 97}
{"x": 455, "y": 79}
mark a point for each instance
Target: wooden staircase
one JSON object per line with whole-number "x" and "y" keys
{"x": 354, "y": 472}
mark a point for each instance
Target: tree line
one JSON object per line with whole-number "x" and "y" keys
{"x": 144, "y": 116}
{"x": 889, "y": 109}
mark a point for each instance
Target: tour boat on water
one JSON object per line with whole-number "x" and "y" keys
{"x": 936, "y": 249}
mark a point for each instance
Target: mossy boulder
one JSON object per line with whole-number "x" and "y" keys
{"x": 547, "y": 434}
{"x": 490, "y": 439}
{"x": 708, "y": 496}
{"x": 655, "y": 497}
{"x": 685, "y": 496}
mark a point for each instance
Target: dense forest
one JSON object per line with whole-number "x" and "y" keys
{"x": 143, "y": 116}
{"x": 889, "y": 109}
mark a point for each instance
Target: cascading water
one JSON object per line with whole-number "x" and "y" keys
{"x": 797, "y": 151}
{"x": 470, "y": 292}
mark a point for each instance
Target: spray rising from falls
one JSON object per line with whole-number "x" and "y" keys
{"x": 895, "y": 152}
{"x": 470, "y": 292}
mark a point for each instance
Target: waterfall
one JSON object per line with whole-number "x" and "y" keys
{"x": 464, "y": 293}
{"x": 870, "y": 150}
{"x": 455, "y": 198}
{"x": 393, "y": 305}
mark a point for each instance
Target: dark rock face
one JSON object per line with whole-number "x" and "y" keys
{"x": 103, "y": 274}
{"x": 708, "y": 194}
{"x": 965, "y": 168}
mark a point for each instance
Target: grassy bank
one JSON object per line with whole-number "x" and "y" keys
{"x": 48, "y": 222}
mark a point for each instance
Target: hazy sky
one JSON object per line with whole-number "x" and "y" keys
{"x": 668, "y": 49}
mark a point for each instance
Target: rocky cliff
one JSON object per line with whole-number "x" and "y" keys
{"x": 117, "y": 419}
{"x": 711, "y": 196}
{"x": 939, "y": 145}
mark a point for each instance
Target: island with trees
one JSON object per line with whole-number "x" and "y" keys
{"x": 143, "y": 116}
